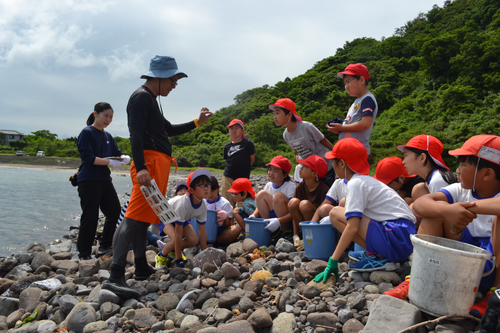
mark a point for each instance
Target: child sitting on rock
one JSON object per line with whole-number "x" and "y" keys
{"x": 335, "y": 197}
{"x": 187, "y": 207}
{"x": 227, "y": 231}
{"x": 468, "y": 211}
{"x": 375, "y": 217}
{"x": 391, "y": 171}
{"x": 242, "y": 191}
{"x": 309, "y": 194}
{"x": 272, "y": 201}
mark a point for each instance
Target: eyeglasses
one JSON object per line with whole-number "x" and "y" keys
{"x": 234, "y": 195}
{"x": 347, "y": 82}
{"x": 173, "y": 82}
{"x": 204, "y": 186}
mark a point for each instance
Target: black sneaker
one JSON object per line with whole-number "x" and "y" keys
{"x": 85, "y": 258}
{"x": 120, "y": 288}
{"x": 103, "y": 250}
{"x": 275, "y": 236}
{"x": 288, "y": 235}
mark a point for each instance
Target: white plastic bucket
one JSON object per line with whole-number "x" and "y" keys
{"x": 445, "y": 274}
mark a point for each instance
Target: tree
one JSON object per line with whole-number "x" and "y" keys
{"x": 44, "y": 134}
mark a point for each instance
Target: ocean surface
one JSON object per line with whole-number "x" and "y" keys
{"x": 40, "y": 205}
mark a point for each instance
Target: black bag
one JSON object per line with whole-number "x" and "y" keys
{"x": 74, "y": 178}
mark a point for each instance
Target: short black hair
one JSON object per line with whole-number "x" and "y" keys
{"x": 287, "y": 112}
{"x": 214, "y": 184}
{"x": 199, "y": 180}
{"x": 357, "y": 77}
{"x": 482, "y": 164}
{"x": 180, "y": 188}
{"x": 447, "y": 175}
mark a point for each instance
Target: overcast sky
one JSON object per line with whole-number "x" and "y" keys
{"x": 58, "y": 58}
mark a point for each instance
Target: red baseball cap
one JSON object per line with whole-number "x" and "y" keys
{"x": 429, "y": 144}
{"x": 236, "y": 121}
{"x": 195, "y": 174}
{"x": 287, "y": 104}
{"x": 281, "y": 162}
{"x": 483, "y": 146}
{"x": 315, "y": 163}
{"x": 389, "y": 169}
{"x": 355, "y": 69}
{"x": 353, "y": 153}
{"x": 242, "y": 184}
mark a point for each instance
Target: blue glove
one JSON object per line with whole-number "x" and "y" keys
{"x": 491, "y": 319}
{"x": 180, "y": 262}
{"x": 333, "y": 267}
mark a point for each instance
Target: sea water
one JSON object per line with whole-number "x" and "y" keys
{"x": 41, "y": 205}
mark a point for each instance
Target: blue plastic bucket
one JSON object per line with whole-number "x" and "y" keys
{"x": 254, "y": 229}
{"x": 210, "y": 226}
{"x": 320, "y": 240}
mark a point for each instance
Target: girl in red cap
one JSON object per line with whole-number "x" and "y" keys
{"x": 272, "y": 201}
{"x": 239, "y": 155}
{"x": 302, "y": 136}
{"x": 242, "y": 191}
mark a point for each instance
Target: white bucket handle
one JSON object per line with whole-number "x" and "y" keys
{"x": 492, "y": 268}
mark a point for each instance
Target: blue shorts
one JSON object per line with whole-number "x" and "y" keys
{"x": 485, "y": 243}
{"x": 184, "y": 224}
{"x": 390, "y": 239}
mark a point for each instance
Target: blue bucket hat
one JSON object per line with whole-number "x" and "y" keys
{"x": 163, "y": 67}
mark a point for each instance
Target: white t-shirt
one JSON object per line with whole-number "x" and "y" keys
{"x": 372, "y": 198}
{"x": 337, "y": 191}
{"x": 436, "y": 182}
{"x": 305, "y": 141}
{"x": 220, "y": 204}
{"x": 480, "y": 226}
{"x": 287, "y": 188}
{"x": 185, "y": 208}
{"x": 296, "y": 176}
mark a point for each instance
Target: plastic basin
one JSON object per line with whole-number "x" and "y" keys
{"x": 320, "y": 240}
{"x": 254, "y": 229}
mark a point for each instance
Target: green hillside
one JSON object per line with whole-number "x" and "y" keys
{"x": 439, "y": 74}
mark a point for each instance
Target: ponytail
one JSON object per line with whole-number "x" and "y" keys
{"x": 99, "y": 107}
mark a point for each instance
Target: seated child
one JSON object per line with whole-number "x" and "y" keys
{"x": 391, "y": 171}
{"x": 335, "y": 197}
{"x": 309, "y": 194}
{"x": 375, "y": 216}
{"x": 470, "y": 216}
{"x": 242, "y": 191}
{"x": 272, "y": 201}
{"x": 227, "y": 232}
{"x": 187, "y": 207}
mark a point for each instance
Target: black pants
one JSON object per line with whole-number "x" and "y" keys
{"x": 95, "y": 195}
{"x": 130, "y": 232}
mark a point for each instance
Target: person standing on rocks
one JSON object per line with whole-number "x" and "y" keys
{"x": 152, "y": 151}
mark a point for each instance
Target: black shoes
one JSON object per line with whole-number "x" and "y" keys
{"x": 117, "y": 284}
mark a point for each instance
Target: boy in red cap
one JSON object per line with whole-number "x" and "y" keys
{"x": 375, "y": 217}
{"x": 302, "y": 136}
{"x": 361, "y": 115}
{"x": 309, "y": 194}
{"x": 272, "y": 201}
{"x": 187, "y": 206}
{"x": 468, "y": 211}
{"x": 239, "y": 155}
{"x": 242, "y": 191}
{"x": 391, "y": 171}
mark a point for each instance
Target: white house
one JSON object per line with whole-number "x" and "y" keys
{"x": 10, "y": 136}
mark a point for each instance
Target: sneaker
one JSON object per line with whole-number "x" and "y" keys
{"x": 160, "y": 244}
{"x": 369, "y": 265}
{"x": 288, "y": 235}
{"x": 400, "y": 291}
{"x": 361, "y": 255}
{"x": 103, "y": 250}
{"x": 477, "y": 310}
{"x": 120, "y": 288}
{"x": 275, "y": 236}
{"x": 85, "y": 258}
{"x": 182, "y": 255}
{"x": 161, "y": 261}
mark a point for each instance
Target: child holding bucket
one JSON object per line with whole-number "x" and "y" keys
{"x": 375, "y": 217}
{"x": 242, "y": 191}
{"x": 272, "y": 201}
{"x": 227, "y": 232}
{"x": 309, "y": 194}
{"x": 187, "y": 206}
{"x": 392, "y": 172}
{"x": 468, "y": 211}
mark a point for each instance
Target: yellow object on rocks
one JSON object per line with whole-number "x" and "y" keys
{"x": 330, "y": 282}
{"x": 262, "y": 275}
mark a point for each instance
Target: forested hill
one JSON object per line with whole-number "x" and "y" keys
{"x": 439, "y": 74}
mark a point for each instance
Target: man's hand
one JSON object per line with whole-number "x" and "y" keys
{"x": 457, "y": 214}
{"x": 334, "y": 128}
{"x": 204, "y": 115}
{"x": 144, "y": 178}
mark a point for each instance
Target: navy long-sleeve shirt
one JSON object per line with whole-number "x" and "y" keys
{"x": 90, "y": 141}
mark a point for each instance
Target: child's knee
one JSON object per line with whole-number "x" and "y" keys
{"x": 279, "y": 197}
{"x": 294, "y": 204}
{"x": 262, "y": 195}
{"x": 306, "y": 205}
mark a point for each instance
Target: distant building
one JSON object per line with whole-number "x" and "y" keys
{"x": 10, "y": 136}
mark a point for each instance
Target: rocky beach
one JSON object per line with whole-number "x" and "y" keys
{"x": 239, "y": 288}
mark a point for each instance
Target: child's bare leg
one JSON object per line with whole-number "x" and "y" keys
{"x": 229, "y": 235}
{"x": 338, "y": 220}
{"x": 307, "y": 209}
{"x": 237, "y": 217}
{"x": 280, "y": 202}
{"x": 264, "y": 202}
{"x": 203, "y": 236}
{"x": 191, "y": 239}
{"x": 438, "y": 227}
{"x": 169, "y": 229}
{"x": 294, "y": 209}
{"x": 322, "y": 211}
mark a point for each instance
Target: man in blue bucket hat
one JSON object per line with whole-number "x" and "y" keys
{"x": 152, "y": 151}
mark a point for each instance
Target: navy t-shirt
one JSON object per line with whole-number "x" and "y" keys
{"x": 91, "y": 141}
